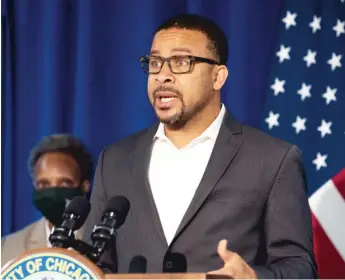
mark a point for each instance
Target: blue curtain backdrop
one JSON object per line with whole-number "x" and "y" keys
{"x": 72, "y": 66}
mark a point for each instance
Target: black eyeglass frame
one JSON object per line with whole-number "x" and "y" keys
{"x": 192, "y": 58}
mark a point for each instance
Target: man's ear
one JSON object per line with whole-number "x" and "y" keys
{"x": 86, "y": 186}
{"x": 220, "y": 76}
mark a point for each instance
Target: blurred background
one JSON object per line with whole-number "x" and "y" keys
{"x": 72, "y": 66}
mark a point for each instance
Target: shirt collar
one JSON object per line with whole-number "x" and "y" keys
{"x": 48, "y": 232}
{"x": 210, "y": 133}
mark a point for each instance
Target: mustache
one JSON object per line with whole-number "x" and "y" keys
{"x": 165, "y": 88}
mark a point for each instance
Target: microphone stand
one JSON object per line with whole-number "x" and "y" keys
{"x": 92, "y": 253}
{"x": 83, "y": 248}
{"x": 63, "y": 237}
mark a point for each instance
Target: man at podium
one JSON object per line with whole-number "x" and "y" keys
{"x": 61, "y": 168}
{"x": 207, "y": 193}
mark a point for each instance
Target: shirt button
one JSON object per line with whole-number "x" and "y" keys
{"x": 168, "y": 265}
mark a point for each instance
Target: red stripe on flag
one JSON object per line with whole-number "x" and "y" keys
{"x": 339, "y": 181}
{"x": 330, "y": 263}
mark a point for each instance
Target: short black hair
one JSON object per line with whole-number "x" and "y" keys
{"x": 218, "y": 42}
{"x": 66, "y": 144}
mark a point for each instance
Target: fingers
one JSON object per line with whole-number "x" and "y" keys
{"x": 222, "y": 271}
{"x": 234, "y": 265}
{"x": 219, "y": 274}
{"x": 223, "y": 251}
{"x": 215, "y": 272}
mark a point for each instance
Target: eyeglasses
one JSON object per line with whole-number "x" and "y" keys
{"x": 178, "y": 64}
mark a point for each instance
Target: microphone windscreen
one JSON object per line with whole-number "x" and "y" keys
{"x": 79, "y": 206}
{"x": 120, "y": 206}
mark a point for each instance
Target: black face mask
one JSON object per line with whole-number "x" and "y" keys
{"x": 52, "y": 202}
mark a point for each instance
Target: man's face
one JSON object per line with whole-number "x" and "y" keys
{"x": 176, "y": 98}
{"x": 56, "y": 169}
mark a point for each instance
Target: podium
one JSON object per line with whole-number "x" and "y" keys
{"x": 57, "y": 263}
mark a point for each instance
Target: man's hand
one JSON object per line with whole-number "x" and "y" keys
{"x": 234, "y": 266}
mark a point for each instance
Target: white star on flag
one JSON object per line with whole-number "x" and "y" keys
{"x": 278, "y": 86}
{"x": 309, "y": 58}
{"x": 320, "y": 161}
{"x": 315, "y": 24}
{"x": 283, "y": 53}
{"x": 325, "y": 128}
{"x": 334, "y": 61}
{"x": 299, "y": 124}
{"x": 289, "y": 19}
{"x": 339, "y": 28}
{"x": 329, "y": 95}
{"x": 304, "y": 91}
{"x": 272, "y": 120}
{"x": 309, "y": 55}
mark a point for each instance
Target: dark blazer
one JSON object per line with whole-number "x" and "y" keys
{"x": 253, "y": 193}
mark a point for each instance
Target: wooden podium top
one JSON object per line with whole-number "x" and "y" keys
{"x": 156, "y": 276}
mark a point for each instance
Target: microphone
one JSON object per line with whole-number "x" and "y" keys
{"x": 74, "y": 217}
{"x": 113, "y": 217}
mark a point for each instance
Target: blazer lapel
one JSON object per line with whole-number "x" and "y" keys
{"x": 225, "y": 148}
{"x": 140, "y": 162}
{"x": 37, "y": 237}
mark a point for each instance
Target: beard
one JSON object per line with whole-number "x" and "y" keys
{"x": 176, "y": 120}
{"x": 183, "y": 114}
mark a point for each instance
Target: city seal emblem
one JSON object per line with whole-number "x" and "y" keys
{"x": 49, "y": 264}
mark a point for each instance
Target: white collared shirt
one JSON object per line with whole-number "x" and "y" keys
{"x": 48, "y": 232}
{"x": 174, "y": 174}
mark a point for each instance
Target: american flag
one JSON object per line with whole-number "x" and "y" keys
{"x": 306, "y": 106}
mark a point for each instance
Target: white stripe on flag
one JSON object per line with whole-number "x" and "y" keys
{"x": 328, "y": 206}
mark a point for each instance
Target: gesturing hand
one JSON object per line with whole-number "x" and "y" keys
{"x": 234, "y": 266}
